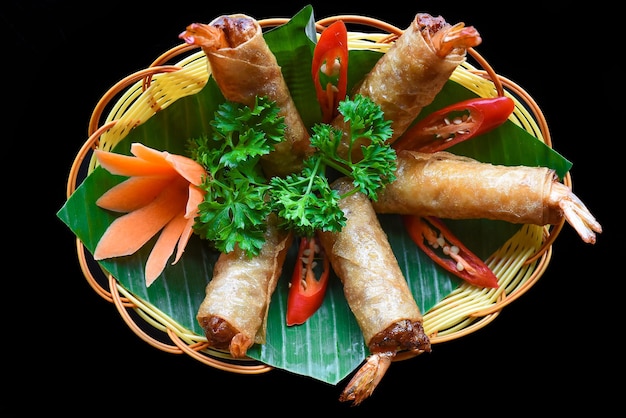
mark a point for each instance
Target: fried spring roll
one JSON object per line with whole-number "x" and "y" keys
{"x": 244, "y": 67}
{"x": 450, "y": 186}
{"x": 375, "y": 290}
{"x": 415, "y": 69}
{"x": 234, "y": 311}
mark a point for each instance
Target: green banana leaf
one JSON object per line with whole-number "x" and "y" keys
{"x": 329, "y": 346}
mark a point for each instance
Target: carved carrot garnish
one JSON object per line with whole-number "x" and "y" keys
{"x": 162, "y": 194}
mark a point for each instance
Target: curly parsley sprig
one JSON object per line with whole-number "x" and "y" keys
{"x": 305, "y": 200}
{"x": 234, "y": 209}
{"x": 238, "y": 196}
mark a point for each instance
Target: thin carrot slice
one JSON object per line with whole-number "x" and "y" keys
{"x": 131, "y": 231}
{"x": 184, "y": 239}
{"x": 144, "y": 152}
{"x": 186, "y": 167}
{"x": 196, "y": 196}
{"x": 133, "y": 193}
{"x": 126, "y": 165}
{"x": 164, "y": 247}
{"x": 193, "y": 172}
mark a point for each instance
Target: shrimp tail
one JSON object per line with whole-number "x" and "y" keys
{"x": 575, "y": 212}
{"x": 239, "y": 345}
{"x": 456, "y": 36}
{"x": 208, "y": 37}
{"x": 367, "y": 378}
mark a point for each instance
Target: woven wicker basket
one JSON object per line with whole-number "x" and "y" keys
{"x": 519, "y": 263}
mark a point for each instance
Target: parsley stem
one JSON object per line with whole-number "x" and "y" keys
{"x": 340, "y": 167}
{"x": 319, "y": 171}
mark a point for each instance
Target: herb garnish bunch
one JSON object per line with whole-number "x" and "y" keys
{"x": 239, "y": 197}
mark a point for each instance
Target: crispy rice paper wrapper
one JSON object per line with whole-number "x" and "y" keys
{"x": 244, "y": 67}
{"x": 362, "y": 258}
{"x": 450, "y": 186}
{"x": 234, "y": 311}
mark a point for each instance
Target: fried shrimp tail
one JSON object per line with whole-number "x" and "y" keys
{"x": 209, "y": 38}
{"x": 457, "y": 36}
{"x": 562, "y": 199}
{"x": 365, "y": 380}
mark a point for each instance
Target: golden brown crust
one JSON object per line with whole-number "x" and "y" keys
{"x": 404, "y": 335}
{"x": 218, "y": 331}
{"x": 450, "y": 186}
{"x": 238, "y": 29}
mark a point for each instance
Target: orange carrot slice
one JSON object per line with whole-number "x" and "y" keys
{"x": 184, "y": 239}
{"x": 139, "y": 150}
{"x": 131, "y": 231}
{"x": 196, "y": 196}
{"x": 133, "y": 193}
{"x": 164, "y": 247}
{"x": 193, "y": 172}
{"x": 126, "y": 165}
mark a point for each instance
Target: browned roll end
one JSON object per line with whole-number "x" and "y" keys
{"x": 237, "y": 28}
{"x": 218, "y": 331}
{"x": 404, "y": 335}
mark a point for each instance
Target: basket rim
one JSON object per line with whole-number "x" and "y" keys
{"x": 174, "y": 340}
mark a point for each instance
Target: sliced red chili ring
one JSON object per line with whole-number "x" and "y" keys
{"x": 456, "y": 123}
{"x": 306, "y": 292}
{"x": 445, "y": 249}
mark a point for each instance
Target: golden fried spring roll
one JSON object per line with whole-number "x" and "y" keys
{"x": 449, "y": 186}
{"x": 234, "y": 311}
{"x": 244, "y": 67}
{"x": 375, "y": 290}
{"x": 362, "y": 258}
{"x": 415, "y": 69}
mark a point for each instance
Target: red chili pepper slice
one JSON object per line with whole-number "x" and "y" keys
{"x": 456, "y": 123}
{"x": 306, "y": 292}
{"x": 330, "y": 68}
{"x": 430, "y": 234}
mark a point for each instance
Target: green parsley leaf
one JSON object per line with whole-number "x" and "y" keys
{"x": 234, "y": 210}
{"x": 305, "y": 200}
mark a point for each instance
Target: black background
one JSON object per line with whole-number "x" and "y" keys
{"x": 546, "y": 349}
